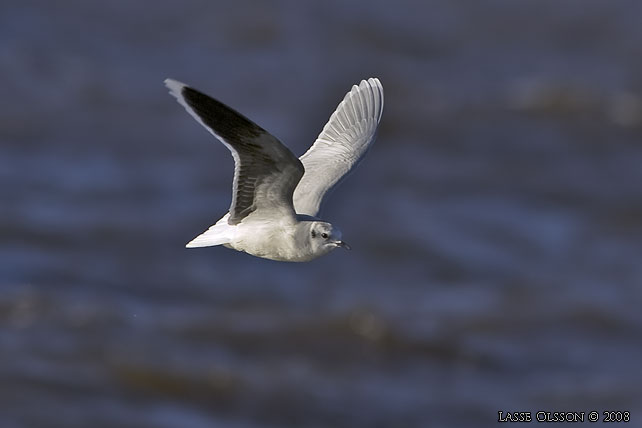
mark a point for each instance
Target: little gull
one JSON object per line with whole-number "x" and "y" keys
{"x": 275, "y": 196}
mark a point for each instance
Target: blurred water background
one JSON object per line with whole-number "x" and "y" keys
{"x": 496, "y": 224}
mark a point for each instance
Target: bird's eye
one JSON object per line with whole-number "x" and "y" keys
{"x": 324, "y": 235}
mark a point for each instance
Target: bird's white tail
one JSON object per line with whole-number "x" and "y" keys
{"x": 218, "y": 234}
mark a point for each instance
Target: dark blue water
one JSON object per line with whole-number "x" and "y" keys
{"x": 496, "y": 225}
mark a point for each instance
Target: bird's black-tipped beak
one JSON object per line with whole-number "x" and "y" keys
{"x": 343, "y": 244}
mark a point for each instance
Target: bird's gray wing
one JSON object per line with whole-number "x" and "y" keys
{"x": 340, "y": 146}
{"x": 265, "y": 172}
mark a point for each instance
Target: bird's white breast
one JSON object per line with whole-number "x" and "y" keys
{"x": 276, "y": 241}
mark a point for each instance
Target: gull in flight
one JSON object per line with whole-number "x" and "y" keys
{"x": 275, "y": 196}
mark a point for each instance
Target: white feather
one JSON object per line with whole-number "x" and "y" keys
{"x": 218, "y": 234}
{"x": 344, "y": 141}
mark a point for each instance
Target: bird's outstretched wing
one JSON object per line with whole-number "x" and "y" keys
{"x": 265, "y": 172}
{"x": 340, "y": 146}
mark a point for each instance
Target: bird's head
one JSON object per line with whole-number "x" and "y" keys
{"x": 324, "y": 237}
